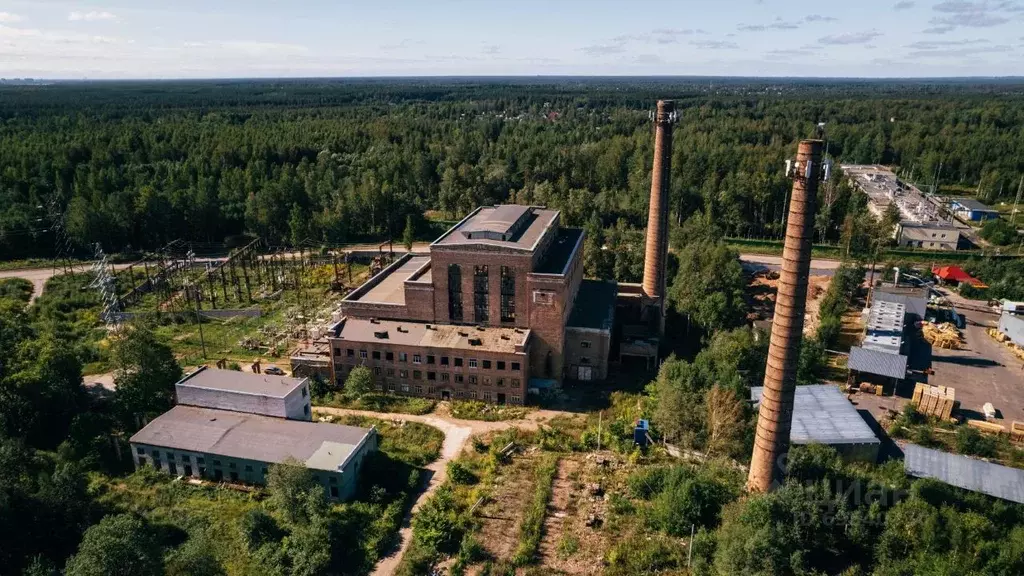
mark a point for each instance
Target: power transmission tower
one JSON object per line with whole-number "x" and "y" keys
{"x": 107, "y": 285}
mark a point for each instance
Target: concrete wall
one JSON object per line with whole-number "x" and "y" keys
{"x": 294, "y": 406}
{"x": 1013, "y": 326}
{"x": 298, "y": 404}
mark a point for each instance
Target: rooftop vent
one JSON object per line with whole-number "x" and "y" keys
{"x": 402, "y": 329}
{"x": 382, "y": 334}
{"x": 461, "y": 333}
{"x": 475, "y": 342}
{"x": 480, "y": 328}
{"x": 505, "y": 337}
{"x": 374, "y": 321}
{"x": 429, "y": 327}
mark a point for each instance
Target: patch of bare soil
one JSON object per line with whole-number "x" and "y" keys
{"x": 764, "y": 287}
{"x": 502, "y": 513}
{"x": 816, "y": 288}
{"x": 561, "y": 514}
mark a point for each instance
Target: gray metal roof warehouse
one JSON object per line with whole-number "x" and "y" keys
{"x": 821, "y": 414}
{"x": 964, "y": 472}
{"x": 253, "y": 437}
{"x": 877, "y": 362}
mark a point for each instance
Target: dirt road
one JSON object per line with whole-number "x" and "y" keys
{"x": 456, "y": 433}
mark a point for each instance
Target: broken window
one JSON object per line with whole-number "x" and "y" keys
{"x": 508, "y": 294}
{"x": 481, "y": 294}
{"x": 454, "y": 293}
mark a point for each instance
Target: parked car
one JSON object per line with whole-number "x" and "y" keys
{"x": 273, "y": 371}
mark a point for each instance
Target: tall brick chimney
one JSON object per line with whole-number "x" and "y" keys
{"x": 656, "y": 253}
{"x": 775, "y": 416}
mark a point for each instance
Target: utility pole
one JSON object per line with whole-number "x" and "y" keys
{"x": 1013, "y": 215}
{"x": 199, "y": 320}
{"x": 689, "y": 549}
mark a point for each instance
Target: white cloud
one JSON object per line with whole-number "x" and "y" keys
{"x": 91, "y": 16}
{"x": 8, "y": 18}
{"x": 903, "y": 5}
{"x": 715, "y": 45}
{"x": 850, "y": 38}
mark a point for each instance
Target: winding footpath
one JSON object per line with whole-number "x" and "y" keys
{"x": 456, "y": 434}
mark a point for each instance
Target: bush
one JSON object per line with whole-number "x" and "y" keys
{"x": 999, "y": 232}
{"x": 567, "y": 546}
{"x": 459, "y": 474}
{"x": 970, "y": 441}
{"x": 644, "y": 555}
{"x": 686, "y": 502}
{"x": 645, "y": 483}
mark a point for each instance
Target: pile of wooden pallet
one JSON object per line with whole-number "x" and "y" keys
{"x": 1004, "y": 339}
{"x": 938, "y": 401}
{"x": 943, "y": 335}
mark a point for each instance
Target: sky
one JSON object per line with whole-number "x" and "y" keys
{"x": 136, "y": 39}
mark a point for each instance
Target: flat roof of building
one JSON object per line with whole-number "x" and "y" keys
{"x": 526, "y": 230}
{"x": 252, "y": 437}
{"x": 390, "y": 288}
{"x": 965, "y": 472}
{"x": 890, "y": 364}
{"x": 823, "y": 415}
{"x": 972, "y": 204}
{"x": 500, "y": 219}
{"x": 241, "y": 382}
{"x": 560, "y": 251}
{"x": 595, "y": 305}
{"x": 933, "y": 224}
{"x": 449, "y": 336}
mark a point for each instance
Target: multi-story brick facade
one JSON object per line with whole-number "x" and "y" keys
{"x": 502, "y": 268}
{"x": 437, "y": 361}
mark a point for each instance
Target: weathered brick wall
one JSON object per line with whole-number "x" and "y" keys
{"x": 388, "y": 373}
{"x": 374, "y": 310}
{"x": 419, "y": 301}
{"x": 547, "y": 322}
{"x": 494, "y": 258}
{"x": 594, "y": 355}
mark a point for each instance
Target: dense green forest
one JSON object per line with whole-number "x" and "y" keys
{"x": 135, "y": 165}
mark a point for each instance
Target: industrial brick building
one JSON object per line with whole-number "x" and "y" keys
{"x": 493, "y": 305}
{"x": 499, "y": 305}
{"x": 231, "y": 426}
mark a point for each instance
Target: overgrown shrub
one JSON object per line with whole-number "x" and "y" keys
{"x": 970, "y": 441}
{"x": 459, "y": 474}
{"x": 533, "y": 519}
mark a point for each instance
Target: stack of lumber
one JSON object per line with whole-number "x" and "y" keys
{"x": 938, "y": 401}
{"x": 1017, "y": 431}
{"x": 943, "y": 335}
{"x": 987, "y": 426}
{"x": 1000, "y": 337}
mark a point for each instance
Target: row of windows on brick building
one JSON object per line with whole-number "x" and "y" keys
{"x": 434, "y": 391}
{"x": 444, "y": 377}
{"x": 418, "y": 359}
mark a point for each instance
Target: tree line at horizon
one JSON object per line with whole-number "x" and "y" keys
{"x": 133, "y": 166}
